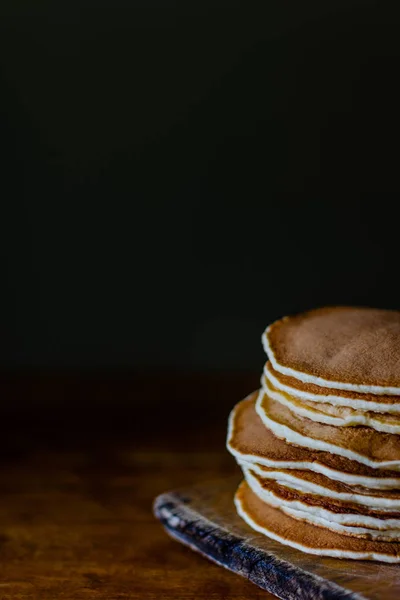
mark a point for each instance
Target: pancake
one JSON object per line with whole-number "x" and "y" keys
{"x": 345, "y": 348}
{"x": 249, "y": 440}
{"x": 315, "y": 393}
{"x": 338, "y": 416}
{"x": 347, "y": 513}
{"x": 307, "y": 482}
{"x": 314, "y": 511}
{"x": 362, "y": 444}
{"x": 315, "y": 540}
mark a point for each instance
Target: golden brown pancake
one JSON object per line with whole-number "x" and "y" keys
{"x": 250, "y": 440}
{"x": 286, "y": 492}
{"x": 338, "y": 416}
{"x": 342, "y": 517}
{"x": 363, "y": 444}
{"x": 317, "y": 393}
{"x": 339, "y": 347}
{"x": 311, "y": 481}
{"x": 316, "y": 540}
{"x": 319, "y": 444}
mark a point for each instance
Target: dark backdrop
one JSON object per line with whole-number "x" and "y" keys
{"x": 175, "y": 175}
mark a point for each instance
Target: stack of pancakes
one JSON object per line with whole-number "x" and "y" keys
{"x": 319, "y": 443}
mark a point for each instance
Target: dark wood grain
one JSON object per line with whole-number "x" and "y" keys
{"x": 82, "y": 459}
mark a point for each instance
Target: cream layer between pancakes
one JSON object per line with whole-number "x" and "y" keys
{"x": 315, "y": 393}
{"x": 249, "y": 440}
{"x": 362, "y": 525}
{"x": 362, "y": 444}
{"x": 300, "y": 535}
{"x": 386, "y": 502}
{"x": 339, "y": 347}
{"x": 338, "y": 416}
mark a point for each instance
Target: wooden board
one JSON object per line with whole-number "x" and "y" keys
{"x": 204, "y": 518}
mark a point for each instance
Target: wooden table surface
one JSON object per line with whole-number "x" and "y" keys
{"x": 83, "y": 457}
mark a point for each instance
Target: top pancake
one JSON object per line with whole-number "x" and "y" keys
{"x": 347, "y": 348}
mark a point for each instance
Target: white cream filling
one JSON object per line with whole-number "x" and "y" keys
{"x": 283, "y": 431}
{"x": 381, "y": 483}
{"x": 343, "y": 519}
{"x": 331, "y": 398}
{"x": 307, "y": 378}
{"x": 349, "y": 421}
{"x": 318, "y": 551}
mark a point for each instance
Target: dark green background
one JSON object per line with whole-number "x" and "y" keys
{"x": 175, "y": 175}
